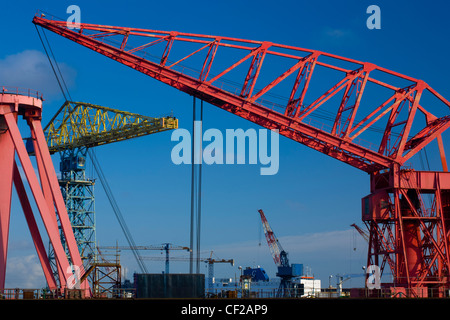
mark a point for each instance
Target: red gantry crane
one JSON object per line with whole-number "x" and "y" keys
{"x": 380, "y": 119}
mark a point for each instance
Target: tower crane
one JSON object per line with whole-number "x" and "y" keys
{"x": 286, "y": 271}
{"x": 167, "y": 247}
{"x": 210, "y": 261}
{"x": 74, "y": 129}
{"x": 380, "y": 119}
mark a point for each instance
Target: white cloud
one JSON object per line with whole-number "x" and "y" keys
{"x": 24, "y": 272}
{"x": 30, "y": 69}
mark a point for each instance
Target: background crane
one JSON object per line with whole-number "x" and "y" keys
{"x": 286, "y": 271}
{"x": 167, "y": 247}
{"x": 362, "y": 95}
{"x": 362, "y": 232}
{"x": 74, "y": 129}
{"x": 210, "y": 261}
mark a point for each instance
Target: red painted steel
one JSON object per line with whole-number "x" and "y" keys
{"x": 6, "y": 174}
{"x": 35, "y": 234}
{"x": 47, "y": 197}
{"x": 294, "y": 118}
{"x": 391, "y": 110}
{"x": 408, "y": 216}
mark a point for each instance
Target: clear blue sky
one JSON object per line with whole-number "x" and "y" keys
{"x": 312, "y": 200}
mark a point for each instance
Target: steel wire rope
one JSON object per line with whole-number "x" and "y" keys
{"x": 94, "y": 160}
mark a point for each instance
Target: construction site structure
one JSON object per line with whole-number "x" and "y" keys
{"x": 211, "y": 261}
{"x": 73, "y": 130}
{"x": 105, "y": 275}
{"x": 380, "y": 119}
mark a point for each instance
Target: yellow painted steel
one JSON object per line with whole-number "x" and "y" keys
{"x": 80, "y": 124}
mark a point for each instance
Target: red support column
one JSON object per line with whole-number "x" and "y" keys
{"x": 6, "y": 174}
{"x": 49, "y": 175}
{"x": 40, "y": 249}
{"x": 45, "y": 186}
{"x": 51, "y": 227}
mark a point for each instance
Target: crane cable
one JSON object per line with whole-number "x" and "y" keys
{"x": 94, "y": 159}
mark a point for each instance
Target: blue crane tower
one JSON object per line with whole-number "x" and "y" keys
{"x": 74, "y": 129}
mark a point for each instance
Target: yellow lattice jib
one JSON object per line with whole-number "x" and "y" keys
{"x": 80, "y": 124}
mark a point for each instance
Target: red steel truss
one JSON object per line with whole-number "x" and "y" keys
{"x": 46, "y": 193}
{"x": 288, "y": 88}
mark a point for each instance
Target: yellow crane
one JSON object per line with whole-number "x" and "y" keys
{"x": 73, "y": 130}
{"x": 81, "y": 124}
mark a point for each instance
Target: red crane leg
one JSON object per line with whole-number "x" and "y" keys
{"x": 44, "y": 181}
{"x": 50, "y": 178}
{"x": 39, "y": 245}
{"x": 41, "y": 203}
{"x": 414, "y": 255}
{"x": 51, "y": 181}
{"x": 45, "y": 186}
{"x": 6, "y": 174}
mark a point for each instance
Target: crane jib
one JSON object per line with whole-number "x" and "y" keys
{"x": 392, "y": 124}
